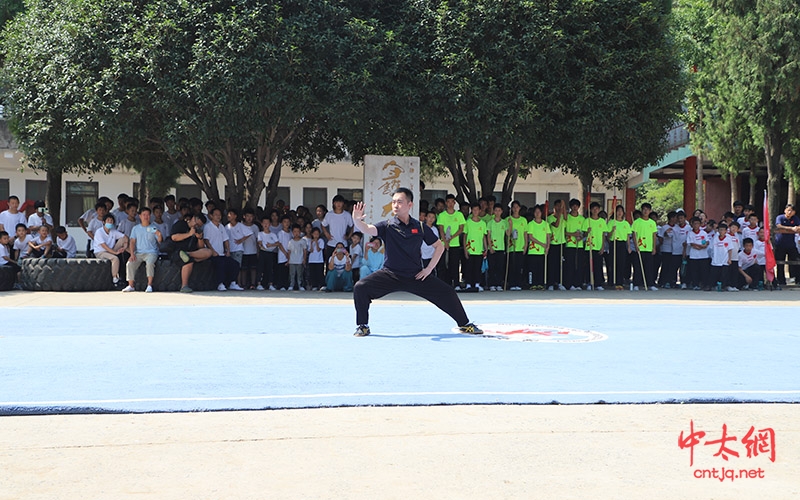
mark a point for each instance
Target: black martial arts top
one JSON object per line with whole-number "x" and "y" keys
{"x": 403, "y": 243}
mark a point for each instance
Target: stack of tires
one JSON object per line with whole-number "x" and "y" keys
{"x": 7, "y": 278}
{"x": 168, "y": 277}
{"x": 66, "y": 275}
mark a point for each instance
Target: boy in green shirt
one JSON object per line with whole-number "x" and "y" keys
{"x": 574, "y": 267}
{"x": 516, "y": 247}
{"x": 450, "y": 223}
{"x": 619, "y": 233}
{"x": 595, "y": 229}
{"x": 644, "y": 235}
{"x": 555, "y": 258}
{"x": 537, "y": 236}
{"x": 498, "y": 232}
{"x": 474, "y": 248}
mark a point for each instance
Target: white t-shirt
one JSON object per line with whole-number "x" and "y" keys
{"x": 170, "y": 219}
{"x": 666, "y": 232}
{"x": 315, "y": 251}
{"x": 110, "y": 239}
{"x": 748, "y": 232}
{"x": 238, "y": 232}
{"x": 296, "y": 251}
{"x": 679, "y": 237}
{"x": 698, "y": 239}
{"x": 748, "y": 260}
{"x": 22, "y": 246}
{"x": 721, "y": 249}
{"x": 337, "y": 225}
{"x": 94, "y": 225}
{"x": 216, "y": 237}
{"x": 10, "y": 221}
{"x": 284, "y": 238}
{"x": 37, "y": 240}
{"x": 67, "y": 245}
{"x": 35, "y": 220}
{"x": 162, "y": 226}
{"x": 4, "y": 255}
{"x": 267, "y": 238}
{"x": 124, "y": 225}
{"x": 736, "y": 246}
{"x": 428, "y": 250}
{"x": 356, "y": 252}
{"x": 251, "y": 244}
{"x": 759, "y": 250}
{"x": 88, "y": 215}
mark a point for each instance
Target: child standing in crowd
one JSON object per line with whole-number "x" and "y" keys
{"x": 65, "y": 244}
{"x": 9, "y": 219}
{"x": 127, "y": 219}
{"x": 619, "y": 234}
{"x": 451, "y": 224}
{"x": 316, "y": 260}
{"x": 697, "y": 243}
{"x": 574, "y": 268}
{"x": 282, "y": 270}
{"x": 498, "y": 231}
{"x": 516, "y": 248}
{"x": 537, "y": 238}
{"x": 679, "y": 232}
{"x": 644, "y": 234}
{"x": 474, "y": 248}
{"x": 296, "y": 255}
{"x": 160, "y": 223}
{"x": 267, "y": 255}
{"x": 356, "y": 253}
{"x": 555, "y": 256}
{"x": 426, "y": 250}
{"x": 736, "y": 246}
{"x": 249, "y": 250}
{"x": 721, "y": 253}
{"x": 666, "y": 239}
{"x": 337, "y": 225}
{"x": 595, "y": 229}
{"x": 751, "y": 229}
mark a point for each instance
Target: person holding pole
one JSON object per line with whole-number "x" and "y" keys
{"x": 499, "y": 231}
{"x": 537, "y": 238}
{"x": 555, "y": 258}
{"x": 619, "y": 233}
{"x": 644, "y": 234}
{"x": 516, "y": 248}
{"x": 595, "y": 229}
{"x": 573, "y": 251}
{"x": 451, "y": 223}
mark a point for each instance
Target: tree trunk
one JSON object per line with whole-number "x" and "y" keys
{"x": 701, "y": 190}
{"x": 773, "y": 149}
{"x": 791, "y": 195}
{"x": 753, "y": 182}
{"x": 142, "y": 194}
{"x": 733, "y": 180}
{"x": 510, "y": 181}
{"x": 54, "y": 194}
{"x": 272, "y": 185}
{"x": 586, "y": 179}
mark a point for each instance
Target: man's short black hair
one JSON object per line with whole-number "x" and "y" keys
{"x": 60, "y": 230}
{"x": 574, "y": 202}
{"x": 201, "y": 218}
{"x": 647, "y": 206}
{"x": 169, "y": 197}
{"x": 734, "y": 223}
{"x": 405, "y": 191}
{"x": 746, "y": 241}
{"x": 144, "y": 209}
{"x": 450, "y": 196}
{"x": 338, "y": 197}
{"x": 593, "y": 205}
{"x": 738, "y": 203}
{"x": 23, "y": 226}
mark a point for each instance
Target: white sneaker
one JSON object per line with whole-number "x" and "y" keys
{"x": 600, "y": 289}
{"x": 271, "y": 288}
{"x": 283, "y": 289}
{"x": 589, "y": 288}
{"x": 635, "y": 288}
{"x": 653, "y": 288}
{"x": 515, "y": 288}
{"x": 149, "y": 289}
{"x": 683, "y": 286}
{"x": 302, "y": 289}
{"x": 469, "y": 287}
{"x": 562, "y": 287}
{"x": 458, "y": 288}
{"x": 260, "y": 288}
{"x": 128, "y": 289}
{"x": 480, "y": 288}
{"x": 116, "y": 280}
{"x": 733, "y": 289}
{"x": 291, "y": 289}
{"x": 221, "y": 288}
{"x": 235, "y": 286}
{"x": 573, "y": 288}
{"x": 550, "y": 288}
{"x": 492, "y": 288}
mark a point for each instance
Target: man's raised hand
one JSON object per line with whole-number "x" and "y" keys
{"x": 358, "y": 211}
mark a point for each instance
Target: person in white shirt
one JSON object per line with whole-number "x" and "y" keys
{"x": 21, "y": 247}
{"x": 666, "y": 238}
{"x": 696, "y": 250}
{"x": 267, "y": 256}
{"x": 40, "y": 244}
{"x": 65, "y": 247}
{"x": 356, "y": 254}
{"x": 216, "y": 238}
{"x": 750, "y": 230}
{"x": 5, "y": 258}
{"x": 282, "y": 269}
{"x": 39, "y": 218}
{"x": 237, "y": 235}
{"x": 751, "y": 273}
{"x": 109, "y": 244}
{"x": 171, "y": 215}
{"x": 734, "y": 233}
{"x": 721, "y": 253}
{"x": 158, "y": 221}
{"x": 127, "y": 220}
{"x": 297, "y": 251}
{"x": 248, "y": 274}
{"x": 679, "y": 232}
{"x": 121, "y": 211}
{"x": 11, "y": 217}
{"x": 337, "y": 225}
{"x": 316, "y": 260}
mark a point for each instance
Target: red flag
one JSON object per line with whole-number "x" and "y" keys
{"x": 768, "y": 253}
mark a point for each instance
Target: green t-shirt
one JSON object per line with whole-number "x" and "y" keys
{"x": 558, "y": 232}
{"x": 623, "y": 229}
{"x": 453, "y": 222}
{"x": 539, "y": 230}
{"x": 497, "y": 232}
{"x": 519, "y": 224}
{"x": 644, "y": 229}
{"x": 593, "y": 230}
{"x": 573, "y": 225}
{"x": 474, "y": 231}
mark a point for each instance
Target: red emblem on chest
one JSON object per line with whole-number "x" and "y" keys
{"x": 414, "y": 231}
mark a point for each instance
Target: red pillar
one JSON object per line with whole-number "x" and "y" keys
{"x": 630, "y": 202}
{"x": 690, "y": 185}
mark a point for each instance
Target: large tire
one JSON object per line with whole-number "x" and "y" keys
{"x": 168, "y": 277}
{"x": 66, "y": 275}
{"x": 7, "y": 278}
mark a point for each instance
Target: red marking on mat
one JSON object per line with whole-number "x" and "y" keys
{"x": 533, "y": 332}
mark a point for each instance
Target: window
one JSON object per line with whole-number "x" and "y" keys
{"x": 552, "y": 197}
{"x": 525, "y": 199}
{"x": 599, "y": 198}
{"x": 285, "y": 194}
{"x": 4, "y": 190}
{"x": 430, "y": 195}
{"x": 81, "y": 196}
{"x": 35, "y": 190}
{"x": 188, "y": 191}
{"x": 315, "y": 196}
{"x": 352, "y": 194}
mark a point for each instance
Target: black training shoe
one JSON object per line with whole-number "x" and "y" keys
{"x": 362, "y": 331}
{"x": 470, "y": 328}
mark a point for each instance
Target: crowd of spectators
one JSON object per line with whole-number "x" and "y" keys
{"x": 488, "y": 246}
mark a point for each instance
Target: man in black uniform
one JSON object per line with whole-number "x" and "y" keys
{"x": 402, "y": 270}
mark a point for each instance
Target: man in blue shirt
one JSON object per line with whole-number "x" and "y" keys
{"x": 402, "y": 269}
{"x": 787, "y": 225}
{"x": 144, "y": 242}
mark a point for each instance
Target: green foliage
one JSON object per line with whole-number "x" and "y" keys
{"x": 663, "y": 196}
{"x": 9, "y": 9}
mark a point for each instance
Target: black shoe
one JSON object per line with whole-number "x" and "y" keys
{"x": 362, "y": 331}
{"x": 470, "y": 328}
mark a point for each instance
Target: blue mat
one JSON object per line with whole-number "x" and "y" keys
{"x": 108, "y": 359}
